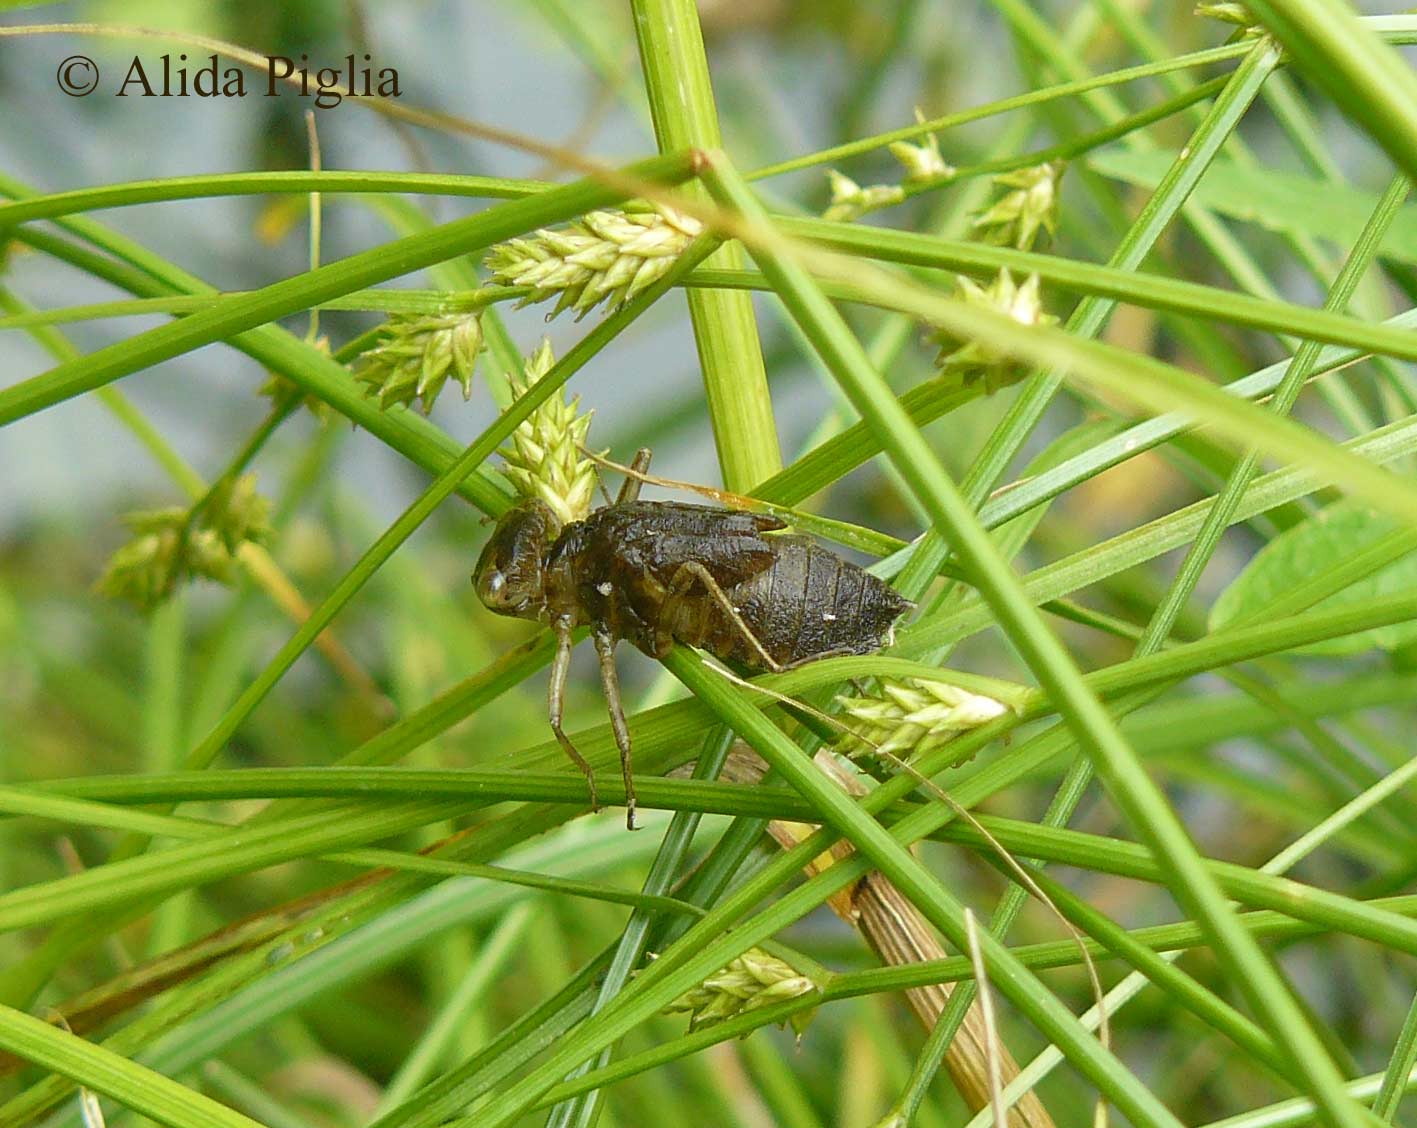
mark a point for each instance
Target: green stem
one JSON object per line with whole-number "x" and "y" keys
{"x": 1369, "y": 80}
{"x": 730, "y": 354}
{"x": 1396, "y": 1078}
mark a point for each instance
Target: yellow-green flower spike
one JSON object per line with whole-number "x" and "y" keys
{"x": 1017, "y": 217}
{"x": 923, "y": 163}
{"x": 971, "y": 361}
{"x": 172, "y": 545}
{"x": 419, "y": 355}
{"x": 543, "y": 458}
{"x": 237, "y": 513}
{"x": 1231, "y": 13}
{"x": 851, "y": 201}
{"x": 905, "y": 719}
{"x": 146, "y": 569}
{"x": 752, "y": 981}
{"x": 605, "y": 257}
{"x": 924, "y": 167}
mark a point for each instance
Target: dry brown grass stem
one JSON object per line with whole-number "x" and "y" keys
{"x": 899, "y": 935}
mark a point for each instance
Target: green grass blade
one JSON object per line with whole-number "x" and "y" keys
{"x": 682, "y": 107}
{"x": 140, "y": 1089}
{"x": 403, "y": 256}
{"x": 1127, "y": 782}
{"x": 1367, "y": 79}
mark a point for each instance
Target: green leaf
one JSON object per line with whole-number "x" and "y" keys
{"x": 1309, "y": 549}
{"x": 1284, "y": 202}
{"x": 142, "y": 1090}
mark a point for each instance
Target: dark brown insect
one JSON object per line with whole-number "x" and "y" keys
{"x": 657, "y": 573}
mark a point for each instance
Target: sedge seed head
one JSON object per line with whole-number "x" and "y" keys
{"x": 418, "y": 356}
{"x": 543, "y": 457}
{"x": 924, "y": 165}
{"x": 171, "y": 545}
{"x": 603, "y": 258}
{"x": 972, "y": 361}
{"x": 906, "y": 719}
{"x": 750, "y": 982}
{"x": 236, "y": 513}
{"x": 851, "y": 201}
{"x": 1231, "y": 13}
{"x": 1017, "y": 217}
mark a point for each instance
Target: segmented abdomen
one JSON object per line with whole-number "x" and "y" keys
{"x": 808, "y": 604}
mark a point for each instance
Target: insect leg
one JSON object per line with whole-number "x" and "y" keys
{"x": 555, "y": 699}
{"x": 630, "y": 489}
{"x": 683, "y": 580}
{"x": 610, "y": 683}
{"x": 835, "y": 652}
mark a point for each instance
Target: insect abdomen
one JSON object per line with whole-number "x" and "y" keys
{"x": 808, "y": 604}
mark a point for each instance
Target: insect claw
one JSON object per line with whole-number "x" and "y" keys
{"x": 630, "y": 816}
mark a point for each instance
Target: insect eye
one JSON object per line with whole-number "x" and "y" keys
{"x": 492, "y": 589}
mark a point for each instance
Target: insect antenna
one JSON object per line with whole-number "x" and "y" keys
{"x": 599, "y": 479}
{"x": 935, "y": 791}
{"x": 726, "y": 497}
{"x": 784, "y": 699}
